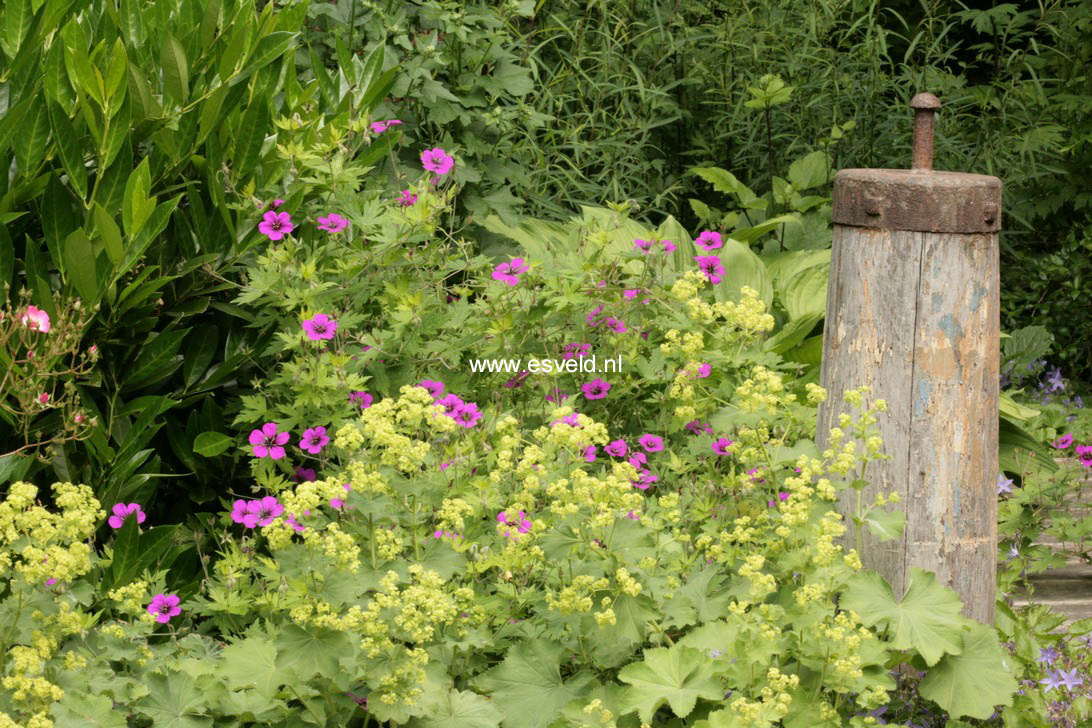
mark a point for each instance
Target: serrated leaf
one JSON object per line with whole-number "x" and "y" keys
{"x": 307, "y": 653}
{"x": 528, "y": 686}
{"x": 927, "y": 619}
{"x": 173, "y": 701}
{"x": 176, "y": 70}
{"x": 677, "y": 676}
{"x": 211, "y": 444}
{"x": 974, "y": 682}
{"x": 76, "y": 710}
{"x": 252, "y": 662}
{"x": 459, "y": 709}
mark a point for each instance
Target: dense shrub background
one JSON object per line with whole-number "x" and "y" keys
{"x": 557, "y": 103}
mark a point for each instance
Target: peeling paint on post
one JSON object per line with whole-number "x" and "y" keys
{"x": 913, "y": 311}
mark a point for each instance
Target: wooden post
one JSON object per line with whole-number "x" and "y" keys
{"x": 913, "y": 311}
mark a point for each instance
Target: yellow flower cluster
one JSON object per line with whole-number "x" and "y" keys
{"x": 627, "y": 583}
{"x": 130, "y": 598}
{"x": 605, "y": 717}
{"x": 763, "y": 390}
{"x": 388, "y": 543}
{"x": 451, "y": 514}
{"x": 38, "y": 720}
{"x": 762, "y": 584}
{"x": 848, "y": 635}
{"x": 70, "y": 557}
{"x": 577, "y": 597}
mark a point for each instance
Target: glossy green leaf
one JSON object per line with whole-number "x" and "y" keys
{"x": 805, "y": 293}
{"x": 134, "y": 211}
{"x": 116, "y": 132}
{"x": 200, "y": 350}
{"x": 82, "y": 74}
{"x": 7, "y": 260}
{"x": 115, "y": 74}
{"x": 270, "y": 48}
{"x": 211, "y": 444}
{"x": 18, "y": 15}
{"x": 231, "y": 60}
{"x": 70, "y": 148}
{"x": 29, "y": 140}
{"x": 154, "y": 357}
{"x": 210, "y": 21}
{"x": 176, "y": 70}
{"x": 251, "y": 136}
{"x": 12, "y": 121}
{"x": 131, "y": 22}
{"x": 55, "y": 78}
{"x": 109, "y": 233}
{"x": 79, "y": 259}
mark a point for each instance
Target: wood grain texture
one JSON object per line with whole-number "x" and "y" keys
{"x": 916, "y": 317}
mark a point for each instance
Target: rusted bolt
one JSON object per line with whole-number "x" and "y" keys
{"x": 925, "y": 106}
{"x": 871, "y": 203}
{"x": 990, "y": 212}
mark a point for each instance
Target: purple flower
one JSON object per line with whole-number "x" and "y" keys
{"x": 434, "y": 388}
{"x": 1064, "y": 441}
{"x": 337, "y": 503}
{"x": 720, "y": 447}
{"x": 1084, "y": 453}
{"x": 1054, "y": 379}
{"x": 50, "y": 582}
{"x": 524, "y": 524}
{"x": 708, "y": 240}
{"x": 468, "y": 415}
{"x": 638, "y": 460}
{"x": 314, "y": 439}
{"x": 164, "y": 606}
{"x": 711, "y": 266}
{"x": 595, "y": 389}
{"x": 407, "y": 198}
{"x": 436, "y": 160}
{"x": 268, "y": 442}
{"x": 589, "y": 453}
{"x": 1070, "y": 679}
{"x": 556, "y": 396}
{"x": 275, "y": 225}
{"x": 451, "y": 404}
{"x": 1004, "y": 485}
{"x": 1052, "y": 680}
{"x": 704, "y": 371}
{"x": 363, "y": 398}
{"x": 642, "y": 246}
{"x": 256, "y": 512}
{"x": 615, "y": 325}
{"x": 333, "y": 223}
{"x": 669, "y": 247}
{"x": 303, "y": 475}
{"x": 122, "y": 511}
{"x": 617, "y": 448}
{"x": 570, "y": 420}
{"x": 378, "y": 127}
{"x": 574, "y": 350}
{"x": 508, "y": 272}
{"x": 1047, "y": 655}
{"x": 320, "y": 327}
{"x": 698, "y": 427}
{"x": 517, "y": 381}
{"x": 651, "y": 443}
{"x": 591, "y": 317}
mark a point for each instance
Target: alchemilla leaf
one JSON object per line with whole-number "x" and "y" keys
{"x": 677, "y": 676}
{"x": 975, "y": 681}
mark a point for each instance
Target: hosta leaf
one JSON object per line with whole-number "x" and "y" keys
{"x": 975, "y": 681}
{"x": 677, "y": 676}
{"x": 528, "y": 685}
{"x": 927, "y": 619}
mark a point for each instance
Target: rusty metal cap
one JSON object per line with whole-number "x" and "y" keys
{"x": 918, "y": 199}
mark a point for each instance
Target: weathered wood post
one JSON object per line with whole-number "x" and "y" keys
{"x": 913, "y": 311}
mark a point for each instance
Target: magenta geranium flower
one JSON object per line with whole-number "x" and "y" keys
{"x": 122, "y": 511}
{"x": 468, "y": 415}
{"x": 711, "y": 266}
{"x": 651, "y": 443}
{"x": 524, "y": 523}
{"x": 570, "y": 420}
{"x": 638, "y": 460}
{"x": 363, "y": 398}
{"x": 378, "y": 127}
{"x": 669, "y": 247}
{"x": 407, "y": 198}
{"x": 556, "y": 396}
{"x": 595, "y": 389}
{"x": 782, "y": 496}
{"x": 517, "y": 381}
{"x": 589, "y": 453}
{"x": 503, "y": 273}
{"x": 320, "y": 327}
{"x": 617, "y": 448}
{"x": 35, "y": 319}
{"x": 268, "y": 442}
{"x": 275, "y": 224}
{"x": 642, "y": 246}
{"x": 1084, "y": 453}
{"x": 314, "y": 439}
{"x": 704, "y": 370}
{"x": 332, "y": 223}
{"x": 631, "y": 293}
{"x": 43, "y": 397}
{"x": 337, "y": 503}
{"x": 256, "y": 512}
{"x": 451, "y": 404}
{"x": 708, "y": 240}
{"x": 720, "y": 447}
{"x": 1064, "y": 441}
{"x": 437, "y": 161}
{"x": 574, "y": 350}
{"x": 591, "y": 316}
{"x": 291, "y": 521}
{"x": 615, "y": 325}
{"x": 164, "y": 606}
{"x": 303, "y": 475}
{"x": 698, "y": 427}
{"x": 434, "y": 388}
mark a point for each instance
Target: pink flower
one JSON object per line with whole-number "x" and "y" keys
{"x": 517, "y": 381}
{"x": 524, "y": 524}
{"x": 630, "y": 515}
{"x": 275, "y": 224}
{"x": 507, "y": 272}
{"x": 320, "y": 327}
{"x": 720, "y": 447}
{"x": 638, "y": 460}
{"x": 591, "y": 317}
{"x": 314, "y": 439}
{"x": 337, "y": 503}
{"x": 407, "y": 198}
{"x": 704, "y": 371}
{"x": 278, "y": 203}
{"x": 575, "y": 350}
{"x": 617, "y": 448}
{"x": 651, "y": 443}
{"x": 50, "y": 582}
{"x": 642, "y": 246}
{"x": 363, "y": 398}
{"x": 291, "y": 521}
{"x": 256, "y": 512}
{"x": 595, "y": 389}
{"x": 378, "y": 127}
{"x": 631, "y": 293}
{"x": 1084, "y": 453}
{"x": 122, "y": 511}
{"x": 303, "y": 475}
{"x": 753, "y": 472}
{"x": 556, "y": 396}
{"x": 468, "y": 415}
{"x": 615, "y": 325}
{"x": 697, "y": 427}
{"x": 35, "y": 319}
{"x": 164, "y": 606}
{"x": 451, "y": 404}
{"x": 782, "y": 496}
{"x": 79, "y": 418}
{"x": 268, "y": 442}
{"x": 669, "y": 247}
{"x": 436, "y": 160}
{"x": 446, "y": 465}
{"x": 711, "y": 266}
{"x": 708, "y": 240}
{"x": 570, "y": 420}
{"x": 434, "y": 388}
{"x": 332, "y": 223}
{"x": 589, "y": 453}
{"x": 43, "y": 397}
{"x": 1064, "y": 441}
